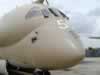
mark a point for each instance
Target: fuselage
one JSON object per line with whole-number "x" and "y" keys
{"x": 40, "y": 40}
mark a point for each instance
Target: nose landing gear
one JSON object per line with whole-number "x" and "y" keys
{"x": 16, "y": 70}
{"x": 41, "y": 72}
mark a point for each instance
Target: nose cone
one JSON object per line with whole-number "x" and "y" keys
{"x": 76, "y": 50}
{"x": 58, "y": 48}
{"x": 78, "y": 53}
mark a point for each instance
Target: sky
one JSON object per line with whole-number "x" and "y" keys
{"x": 83, "y": 14}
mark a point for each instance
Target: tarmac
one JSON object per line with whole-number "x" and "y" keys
{"x": 89, "y": 66}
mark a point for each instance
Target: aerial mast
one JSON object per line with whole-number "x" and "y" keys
{"x": 41, "y": 1}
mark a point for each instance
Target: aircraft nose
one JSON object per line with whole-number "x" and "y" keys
{"x": 75, "y": 47}
{"x": 57, "y": 47}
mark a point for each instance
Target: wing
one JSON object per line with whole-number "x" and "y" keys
{"x": 95, "y": 37}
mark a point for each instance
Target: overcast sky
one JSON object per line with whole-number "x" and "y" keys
{"x": 84, "y": 15}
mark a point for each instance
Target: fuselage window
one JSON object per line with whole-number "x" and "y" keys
{"x": 45, "y": 13}
{"x": 33, "y": 13}
{"x": 53, "y": 12}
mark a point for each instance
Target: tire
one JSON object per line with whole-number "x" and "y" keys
{"x": 44, "y": 72}
{"x": 38, "y": 73}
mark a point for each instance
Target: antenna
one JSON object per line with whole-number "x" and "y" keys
{"x": 47, "y": 2}
{"x": 39, "y": 1}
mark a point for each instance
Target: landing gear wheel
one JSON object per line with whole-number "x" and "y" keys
{"x": 42, "y": 72}
{"x": 38, "y": 73}
{"x": 46, "y": 73}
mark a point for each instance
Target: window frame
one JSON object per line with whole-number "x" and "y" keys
{"x": 54, "y": 12}
{"x": 63, "y": 15}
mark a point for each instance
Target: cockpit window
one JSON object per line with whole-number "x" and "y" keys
{"x": 63, "y": 14}
{"x": 53, "y": 12}
{"x": 33, "y": 13}
{"x": 45, "y": 13}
